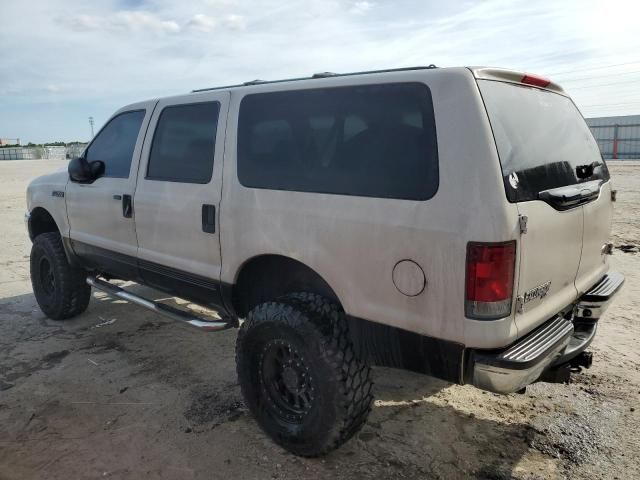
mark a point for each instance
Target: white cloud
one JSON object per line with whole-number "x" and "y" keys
{"x": 51, "y": 88}
{"x": 84, "y": 22}
{"x": 131, "y": 21}
{"x": 140, "y": 21}
{"x": 361, "y": 7}
{"x": 136, "y": 21}
{"x": 201, "y": 23}
{"x": 234, "y": 22}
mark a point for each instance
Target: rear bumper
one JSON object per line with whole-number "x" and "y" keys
{"x": 556, "y": 342}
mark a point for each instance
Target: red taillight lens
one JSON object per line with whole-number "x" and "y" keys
{"x": 489, "y": 286}
{"x": 536, "y": 80}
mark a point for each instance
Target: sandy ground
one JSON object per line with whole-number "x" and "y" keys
{"x": 143, "y": 397}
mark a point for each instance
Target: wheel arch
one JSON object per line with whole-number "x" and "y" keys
{"x": 269, "y": 276}
{"x": 41, "y": 221}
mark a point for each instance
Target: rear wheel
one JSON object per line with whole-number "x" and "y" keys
{"x": 300, "y": 376}
{"x": 59, "y": 288}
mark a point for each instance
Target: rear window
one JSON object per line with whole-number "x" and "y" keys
{"x": 184, "y": 143}
{"x": 541, "y": 139}
{"x": 369, "y": 140}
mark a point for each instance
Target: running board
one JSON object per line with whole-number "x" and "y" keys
{"x": 161, "y": 308}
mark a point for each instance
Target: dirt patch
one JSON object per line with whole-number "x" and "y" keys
{"x": 575, "y": 439}
{"x": 50, "y": 360}
{"x": 210, "y": 408}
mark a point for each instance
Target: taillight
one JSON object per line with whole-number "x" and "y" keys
{"x": 536, "y": 80}
{"x": 489, "y": 284}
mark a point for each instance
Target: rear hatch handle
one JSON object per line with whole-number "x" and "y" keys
{"x": 564, "y": 198}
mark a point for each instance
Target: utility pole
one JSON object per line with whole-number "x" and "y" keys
{"x": 91, "y": 125}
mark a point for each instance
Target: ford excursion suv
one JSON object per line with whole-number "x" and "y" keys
{"x": 451, "y": 221}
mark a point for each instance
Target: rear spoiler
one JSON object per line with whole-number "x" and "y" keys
{"x": 520, "y": 78}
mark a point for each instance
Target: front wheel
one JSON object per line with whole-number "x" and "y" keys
{"x": 299, "y": 374}
{"x": 60, "y": 289}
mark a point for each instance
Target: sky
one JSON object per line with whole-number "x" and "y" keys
{"x": 62, "y": 61}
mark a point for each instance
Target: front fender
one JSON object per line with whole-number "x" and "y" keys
{"x": 48, "y": 192}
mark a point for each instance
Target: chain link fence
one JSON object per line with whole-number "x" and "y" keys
{"x": 47, "y": 152}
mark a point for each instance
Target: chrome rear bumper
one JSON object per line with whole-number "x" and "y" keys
{"x": 554, "y": 343}
{"x": 592, "y": 304}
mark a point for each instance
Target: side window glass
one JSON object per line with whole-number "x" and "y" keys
{"x": 353, "y": 125}
{"x": 183, "y": 145}
{"x": 365, "y": 140}
{"x": 115, "y": 143}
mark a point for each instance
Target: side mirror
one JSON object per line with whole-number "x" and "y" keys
{"x": 97, "y": 169}
{"x": 82, "y": 171}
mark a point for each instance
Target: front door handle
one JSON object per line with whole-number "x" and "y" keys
{"x": 127, "y": 207}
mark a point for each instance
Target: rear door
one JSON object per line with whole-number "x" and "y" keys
{"x": 177, "y": 198}
{"x": 554, "y": 172}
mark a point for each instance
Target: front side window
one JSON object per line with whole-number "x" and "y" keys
{"x": 366, "y": 140}
{"x": 184, "y": 143}
{"x": 115, "y": 143}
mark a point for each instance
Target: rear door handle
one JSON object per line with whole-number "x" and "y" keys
{"x": 117, "y": 197}
{"x": 127, "y": 207}
{"x": 209, "y": 218}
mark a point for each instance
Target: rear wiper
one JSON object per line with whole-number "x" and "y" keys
{"x": 586, "y": 171}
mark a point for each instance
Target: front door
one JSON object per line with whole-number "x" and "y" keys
{"x": 101, "y": 220}
{"x": 177, "y": 197}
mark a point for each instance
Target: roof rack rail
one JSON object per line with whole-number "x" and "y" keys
{"x": 314, "y": 76}
{"x": 323, "y": 75}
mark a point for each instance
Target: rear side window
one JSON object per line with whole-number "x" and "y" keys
{"x": 368, "y": 140}
{"x": 541, "y": 139}
{"x": 115, "y": 143}
{"x": 183, "y": 145}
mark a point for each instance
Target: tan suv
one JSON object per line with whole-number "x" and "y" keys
{"x": 451, "y": 221}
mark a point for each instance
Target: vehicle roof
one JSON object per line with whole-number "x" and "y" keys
{"x": 487, "y": 73}
{"x": 315, "y": 76}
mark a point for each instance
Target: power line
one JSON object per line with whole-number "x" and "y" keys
{"x": 604, "y": 85}
{"x": 612, "y": 104}
{"x": 595, "y": 68}
{"x": 616, "y": 74}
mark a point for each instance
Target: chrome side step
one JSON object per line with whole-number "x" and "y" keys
{"x": 166, "y": 310}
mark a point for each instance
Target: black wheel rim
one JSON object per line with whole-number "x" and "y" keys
{"x": 286, "y": 381}
{"x": 47, "y": 279}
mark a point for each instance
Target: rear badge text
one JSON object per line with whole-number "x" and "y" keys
{"x": 537, "y": 292}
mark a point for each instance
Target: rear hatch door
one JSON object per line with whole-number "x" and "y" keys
{"x": 552, "y": 171}
{"x": 594, "y": 261}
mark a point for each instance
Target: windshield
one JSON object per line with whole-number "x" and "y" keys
{"x": 542, "y": 140}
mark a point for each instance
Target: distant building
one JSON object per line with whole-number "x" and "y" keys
{"x": 9, "y": 141}
{"x": 617, "y": 137}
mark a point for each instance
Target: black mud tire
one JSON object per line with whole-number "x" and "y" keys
{"x": 338, "y": 391}
{"x": 60, "y": 289}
